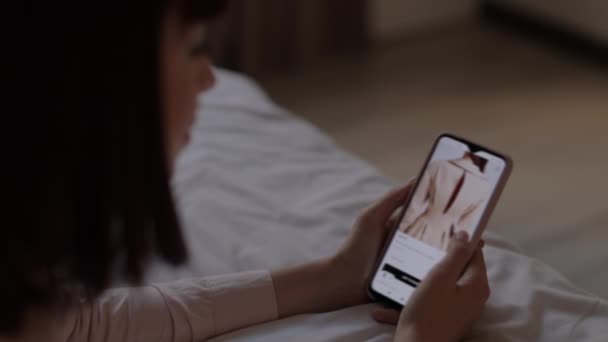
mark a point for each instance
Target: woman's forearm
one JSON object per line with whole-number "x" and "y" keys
{"x": 312, "y": 287}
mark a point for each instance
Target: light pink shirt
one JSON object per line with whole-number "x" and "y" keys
{"x": 185, "y": 310}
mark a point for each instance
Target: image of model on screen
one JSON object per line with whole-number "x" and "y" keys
{"x": 450, "y": 197}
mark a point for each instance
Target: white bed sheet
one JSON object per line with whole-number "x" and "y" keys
{"x": 259, "y": 188}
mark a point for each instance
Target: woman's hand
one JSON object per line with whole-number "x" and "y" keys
{"x": 447, "y": 303}
{"x": 353, "y": 264}
{"x": 340, "y": 280}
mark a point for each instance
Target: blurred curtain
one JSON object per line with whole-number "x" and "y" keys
{"x": 265, "y": 35}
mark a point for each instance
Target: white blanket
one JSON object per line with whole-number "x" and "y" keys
{"x": 259, "y": 188}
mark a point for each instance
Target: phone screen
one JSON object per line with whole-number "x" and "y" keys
{"x": 452, "y": 194}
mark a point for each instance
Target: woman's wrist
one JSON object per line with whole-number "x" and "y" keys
{"x": 306, "y": 288}
{"x": 321, "y": 285}
{"x": 347, "y": 282}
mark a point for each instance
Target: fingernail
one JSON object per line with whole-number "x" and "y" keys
{"x": 462, "y": 236}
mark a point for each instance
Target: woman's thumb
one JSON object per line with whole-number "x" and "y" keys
{"x": 458, "y": 255}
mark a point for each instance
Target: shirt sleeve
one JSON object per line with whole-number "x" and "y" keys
{"x": 185, "y": 310}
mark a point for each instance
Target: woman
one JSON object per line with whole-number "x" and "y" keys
{"x": 103, "y": 93}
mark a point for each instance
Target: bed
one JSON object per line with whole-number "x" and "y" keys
{"x": 259, "y": 188}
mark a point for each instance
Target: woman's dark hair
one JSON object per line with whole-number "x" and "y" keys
{"x": 85, "y": 190}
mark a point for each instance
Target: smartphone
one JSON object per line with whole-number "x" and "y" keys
{"x": 457, "y": 189}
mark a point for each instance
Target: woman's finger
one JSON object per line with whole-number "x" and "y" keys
{"x": 386, "y": 316}
{"x": 475, "y": 277}
{"x": 458, "y": 255}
